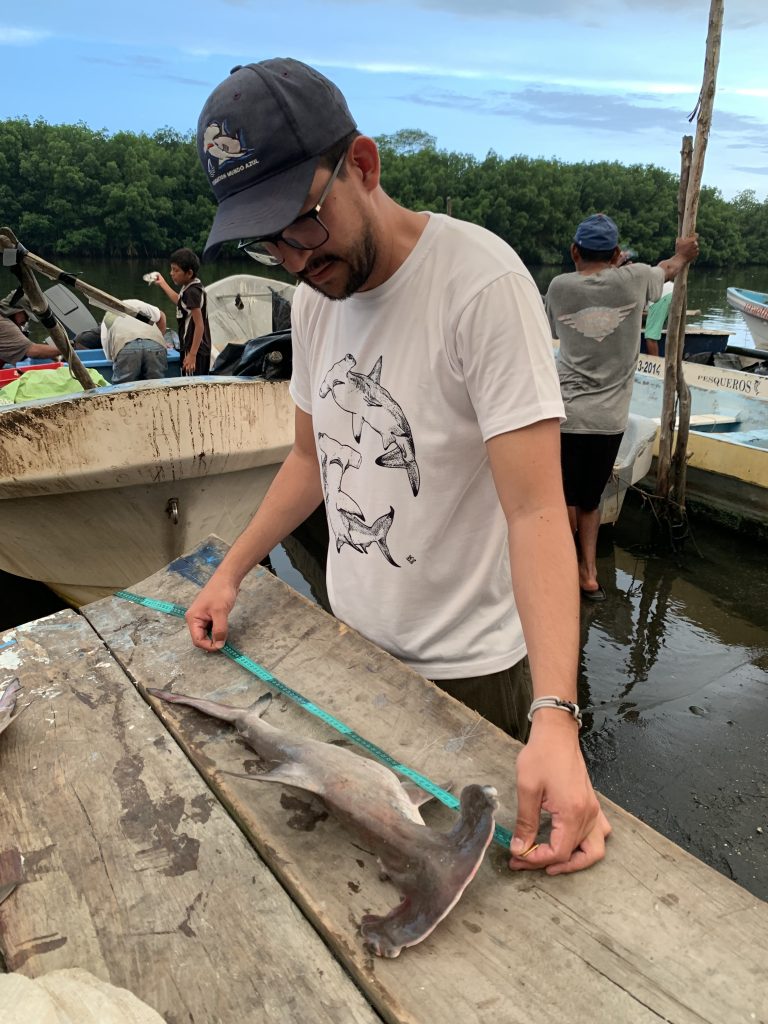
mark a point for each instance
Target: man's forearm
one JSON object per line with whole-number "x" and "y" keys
{"x": 545, "y": 585}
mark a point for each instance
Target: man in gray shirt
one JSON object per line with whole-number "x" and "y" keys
{"x": 596, "y": 313}
{"x": 14, "y": 344}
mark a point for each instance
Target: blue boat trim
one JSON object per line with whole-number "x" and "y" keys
{"x": 8, "y": 643}
{"x": 501, "y": 835}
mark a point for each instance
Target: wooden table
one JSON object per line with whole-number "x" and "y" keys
{"x": 219, "y": 900}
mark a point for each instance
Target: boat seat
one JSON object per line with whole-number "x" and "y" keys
{"x": 710, "y": 420}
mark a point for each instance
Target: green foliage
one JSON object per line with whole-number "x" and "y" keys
{"x": 70, "y": 190}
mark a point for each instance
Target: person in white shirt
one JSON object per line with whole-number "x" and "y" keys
{"x": 427, "y": 420}
{"x": 136, "y": 348}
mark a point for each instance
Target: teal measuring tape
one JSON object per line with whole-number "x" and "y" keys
{"x": 502, "y": 835}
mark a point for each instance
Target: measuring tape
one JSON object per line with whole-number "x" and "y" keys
{"x": 502, "y": 835}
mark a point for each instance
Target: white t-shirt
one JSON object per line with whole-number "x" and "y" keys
{"x": 117, "y": 329}
{"x": 405, "y": 383}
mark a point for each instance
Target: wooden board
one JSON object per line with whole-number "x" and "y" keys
{"x": 129, "y": 866}
{"x": 650, "y": 934}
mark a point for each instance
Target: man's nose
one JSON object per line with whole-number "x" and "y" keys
{"x": 294, "y": 260}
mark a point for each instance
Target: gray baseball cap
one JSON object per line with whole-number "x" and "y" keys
{"x": 16, "y": 302}
{"x": 259, "y": 138}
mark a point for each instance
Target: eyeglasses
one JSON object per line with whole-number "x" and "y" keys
{"x": 306, "y": 232}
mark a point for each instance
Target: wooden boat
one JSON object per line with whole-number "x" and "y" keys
{"x": 100, "y": 488}
{"x": 697, "y": 341}
{"x": 753, "y": 307}
{"x": 728, "y": 442}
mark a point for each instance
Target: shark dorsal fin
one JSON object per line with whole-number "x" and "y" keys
{"x": 375, "y": 373}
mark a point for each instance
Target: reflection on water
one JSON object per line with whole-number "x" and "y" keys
{"x": 674, "y": 670}
{"x": 674, "y": 676}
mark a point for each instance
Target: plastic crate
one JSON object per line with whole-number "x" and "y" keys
{"x": 6, "y": 376}
{"x": 39, "y": 366}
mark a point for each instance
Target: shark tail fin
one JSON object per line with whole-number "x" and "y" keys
{"x": 379, "y": 531}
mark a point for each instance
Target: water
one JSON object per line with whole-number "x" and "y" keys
{"x": 674, "y": 665}
{"x": 706, "y": 287}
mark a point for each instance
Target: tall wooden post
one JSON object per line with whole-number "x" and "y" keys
{"x": 670, "y": 473}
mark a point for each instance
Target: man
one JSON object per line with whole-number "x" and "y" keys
{"x": 596, "y": 314}
{"x": 136, "y": 348}
{"x": 427, "y": 420}
{"x": 656, "y": 319}
{"x": 14, "y": 343}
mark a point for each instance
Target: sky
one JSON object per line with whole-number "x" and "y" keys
{"x": 567, "y": 79}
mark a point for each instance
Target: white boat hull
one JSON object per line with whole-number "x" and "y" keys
{"x": 633, "y": 463}
{"x": 753, "y": 307}
{"x": 102, "y": 489}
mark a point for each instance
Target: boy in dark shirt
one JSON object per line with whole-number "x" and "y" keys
{"x": 190, "y": 302}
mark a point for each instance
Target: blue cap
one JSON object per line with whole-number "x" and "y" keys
{"x": 598, "y": 233}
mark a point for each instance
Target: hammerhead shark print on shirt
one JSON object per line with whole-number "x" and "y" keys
{"x": 345, "y": 517}
{"x": 367, "y": 401}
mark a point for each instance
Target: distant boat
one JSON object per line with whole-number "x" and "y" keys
{"x": 102, "y": 488}
{"x": 245, "y": 306}
{"x": 753, "y": 307}
{"x": 697, "y": 341}
{"x": 728, "y": 441}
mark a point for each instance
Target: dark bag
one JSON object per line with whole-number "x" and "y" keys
{"x": 269, "y": 357}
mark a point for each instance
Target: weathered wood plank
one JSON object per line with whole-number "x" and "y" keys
{"x": 651, "y": 934}
{"x": 132, "y": 869}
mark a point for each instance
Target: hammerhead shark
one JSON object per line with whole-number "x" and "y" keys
{"x": 430, "y": 869}
{"x": 345, "y": 516}
{"x": 363, "y": 396}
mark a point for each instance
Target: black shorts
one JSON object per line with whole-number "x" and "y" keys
{"x": 587, "y": 461}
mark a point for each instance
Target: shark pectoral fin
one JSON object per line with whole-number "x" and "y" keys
{"x": 357, "y": 426}
{"x": 419, "y": 796}
{"x": 346, "y": 504}
{"x": 434, "y": 874}
{"x": 391, "y": 459}
{"x": 261, "y": 704}
{"x": 289, "y": 774}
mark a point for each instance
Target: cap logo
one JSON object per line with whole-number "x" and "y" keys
{"x": 226, "y": 151}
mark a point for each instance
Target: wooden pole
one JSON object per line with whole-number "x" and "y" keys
{"x": 42, "y": 311}
{"x": 674, "y": 379}
{"x": 671, "y": 484}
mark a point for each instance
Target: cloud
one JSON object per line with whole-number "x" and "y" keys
{"x": 739, "y": 13}
{"x": 752, "y": 170}
{"x": 21, "y": 36}
{"x": 148, "y": 67}
{"x": 591, "y": 112}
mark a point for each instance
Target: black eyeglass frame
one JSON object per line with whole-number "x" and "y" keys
{"x": 313, "y": 215}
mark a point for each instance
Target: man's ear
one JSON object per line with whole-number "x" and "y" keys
{"x": 363, "y": 157}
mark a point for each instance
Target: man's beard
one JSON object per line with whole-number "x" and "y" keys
{"x": 360, "y": 261}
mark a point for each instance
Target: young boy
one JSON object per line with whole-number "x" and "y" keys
{"x": 190, "y": 301}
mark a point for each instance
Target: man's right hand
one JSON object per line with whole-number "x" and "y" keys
{"x": 688, "y": 248}
{"x": 209, "y": 612}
